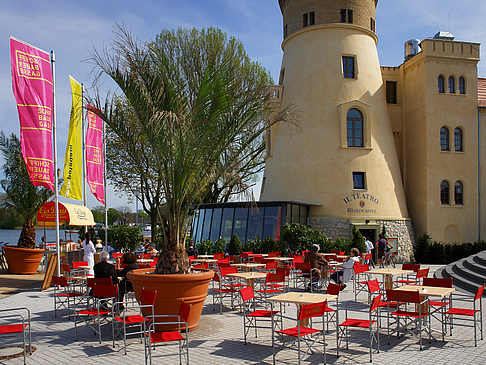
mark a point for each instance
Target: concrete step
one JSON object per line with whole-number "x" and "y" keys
{"x": 475, "y": 266}
{"x": 473, "y": 276}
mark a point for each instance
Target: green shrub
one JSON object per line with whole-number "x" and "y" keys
{"x": 205, "y": 247}
{"x": 339, "y": 243}
{"x": 253, "y": 245}
{"x": 218, "y": 246}
{"x": 295, "y": 238}
{"x": 234, "y": 246}
{"x": 124, "y": 237}
{"x": 268, "y": 244}
{"x": 358, "y": 241}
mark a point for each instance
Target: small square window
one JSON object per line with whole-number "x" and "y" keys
{"x": 348, "y": 67}
{"x": 359, "y": 180}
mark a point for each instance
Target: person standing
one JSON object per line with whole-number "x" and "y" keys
{"x": 382, "y": 245}
{"x": 369, "y": 250}
{"x": 89, "y": 251}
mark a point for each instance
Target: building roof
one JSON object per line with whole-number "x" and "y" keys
{"x": 482, "y": 93}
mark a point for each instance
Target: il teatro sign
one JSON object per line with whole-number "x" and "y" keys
{"x": 363, "y": 203}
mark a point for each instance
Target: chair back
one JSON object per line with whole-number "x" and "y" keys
{"x": 147, "y": 297}
{"x": 117, "y": 255}
{"x": 272, "y": 265}
{"x": 224, "y": 264}
{"x": 66, "y": 268}
{"x": 438, "y": 282}
{"x": 312, "y": 310}
{"x": 275, "y": 277}
{"x": 184, "y": 311}
{"x": 422, "y": 273}
{"x": 258, "y": 259}
{"x": 298, "y": 258}
{"x": 303, "y": 266}
{"x": 305, "y": 253}
{"x": 91, "y": 282}
{"x": 479, "y": 293}
{"x": 284, "y": 270}
{"x": 145, "y": 256}
{"x": 247, "y": 293}
{"x": 245, "y": 255}
{"x": 336, "y": 252}
{"x": 359, "y": 269}
{"x": 218, "y": 256}
{"x": 60, "y": 281}
{"x": 368, "y": 256}
{"x": 204, "y": 265}
{"x": 105, "y": 291}
{"x": 216, "y": 278}
{"x": 414, "y": 267}
{"x": 333, "y": 289}
{"x": 153, "y": 263}
{"x": 76, "y": 264}
{"x": 274, "y": 254}
{"x": 375, "y": 302}
{"x": 223, "y": 261}
{"x": 231, "y": 258}
{"x": 228, "y": 270}
{"x": 403, "y": 296}
{"x": 373, "y": 285}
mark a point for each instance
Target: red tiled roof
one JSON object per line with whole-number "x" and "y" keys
{"x": 482, "y": 92}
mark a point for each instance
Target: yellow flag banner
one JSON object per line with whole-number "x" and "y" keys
{"x": 73, "y": 161}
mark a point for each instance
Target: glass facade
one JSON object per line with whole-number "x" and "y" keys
{"x": 247, "y": 220}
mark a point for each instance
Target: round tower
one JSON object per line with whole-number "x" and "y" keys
{"x": 340, "y": 154}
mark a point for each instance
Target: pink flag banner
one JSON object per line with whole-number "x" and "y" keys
{"x": 32, "y": 88}
{"x": 94, "y": 154}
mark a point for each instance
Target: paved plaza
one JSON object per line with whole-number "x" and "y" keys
{"x": 219, "y": 340}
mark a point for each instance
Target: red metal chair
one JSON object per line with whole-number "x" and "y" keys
{"x": 147, "y": 300}
{"x": 145, "y": 256}
{"x": 246, "y": 256}
{"x": 271, "y": 265}
{"x": 302, "y": 274}
{"x": 117, "y": 255}
{"x": 421, "y": 274}
{"x": 408, "y": 278}
{"x": 156, "y": 337}
{"x": 204, "y": 265}
{"x": 308, "y": 334}
{"x": 218, "y": 256}
{"x": 251, "y": 315}
{"x": 374, "y": 315}
{"x": 275, "y": 254}
{"x": 222, "y": 292}
{"x": 258, "y": 259}
{"x": 439, "y": 305}
{"x": 419, "y": 318}
{"x": 76, "y": 264}
{"x": 274, "y": 284}
{"x": 16, "y": 321}
{"x": 360, "y": 279}
{"x": 65, "y": 294}
{"x": 93, "y": 316}
{"x": 468, "y": 315}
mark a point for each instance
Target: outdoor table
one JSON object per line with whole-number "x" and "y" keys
{"x": 388, "y": 275}
{"x": 204, "y": 257}
{"x": 248, "y": 266}
{"x": 85, "y": 267}
{"x": 145, "y": 261}
{"x": 249, "y": 276}
{"x": 280, "y": 260}
{"x": 300, "y": 299}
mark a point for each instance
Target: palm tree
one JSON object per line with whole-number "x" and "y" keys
{"x": 21, "y": 194}
{"x": 183, "y": 136}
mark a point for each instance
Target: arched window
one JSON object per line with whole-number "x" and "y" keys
{"x": 440, "y": 84}
{"x": 355, "y": 128}
{"x": 458, "y": 193}
{"x": 458, "y": 140}
{"x": 444, "y": 192}
{"x": 452, "y": 85}
{"x": 462, "y": 85}
{"x": 444, "y": 139}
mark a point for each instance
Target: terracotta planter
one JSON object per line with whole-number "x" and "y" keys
{"x": 171, "y": 289}
{"x": 23, "y": 260}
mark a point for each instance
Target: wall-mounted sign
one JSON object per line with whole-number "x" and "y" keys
{"x": 363, "y": 203}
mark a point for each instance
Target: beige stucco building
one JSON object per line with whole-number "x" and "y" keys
{"x": 373, "y": 145}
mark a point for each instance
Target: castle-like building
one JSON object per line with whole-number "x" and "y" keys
{"x": 374, "y": 146}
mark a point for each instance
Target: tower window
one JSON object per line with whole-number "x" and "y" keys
{"x": 452, "y": 85}
{"x": 391, "y": 92}
{"x": 343, "y": 15}
{"x": 372, "y": 24}
{"x": 350, "y": 16}
{"x": 462, "y": 85}
{"x": 348, "y": 67}
{"x": 458, "y": 193}
{"x": 355, "y": 128}
{"x": 308, "y": 19}
{"x": 440, "y": 84}
{"x": 346, "y": 16}
{"x": 444, "y": 139}
{"x": 458, "y": 140}
{"x": 444, "y": 193}
{"x": 359, "y": 180}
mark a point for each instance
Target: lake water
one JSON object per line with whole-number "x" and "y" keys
{"x": 11, "y": 236}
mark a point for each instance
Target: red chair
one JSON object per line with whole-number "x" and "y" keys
{"x": 274, "y": 283}
{"x": 258, "y": 259}
{"x": 331, "y": 313}
{"x": 204, "y": 266}
{"x": 218, "y": 256}
{"x": 359, "y": 279}
{"x": 275, "y": 254}
{"x": 156, "y": 337}
{"x": 147, "y": 301}
{"x": 468, "y": 315}
{"x": 409, "y": 278}
{"x": 246, "y": 256}
{"x": 420, "y": 319}
{"x": 117, "y": 255}
{"x": 145, "y": 256}
{"x": 153, "y": 263}
{"x": 374, "y": 315}
{"x": 251, "y": 315}
{"x": 16, "y": 321}
{"x": 222, "y": 292}
{"x": 65, "y": 295}
{"x": 304, "y": 253}
{"x": 421, "y": 274}
{"x": 76, "y": 264}
{"x": 439, "y": 305}
{"x": 271, "y": 265}
{"x": 302, "y": 274}
{"x": 309, "y": 334}
{"x": 93, "y": 316}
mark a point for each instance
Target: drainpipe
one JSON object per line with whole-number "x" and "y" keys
{"x": 479, "y": 174}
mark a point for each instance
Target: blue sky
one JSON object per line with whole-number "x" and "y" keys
{"x": 72, "y": 28}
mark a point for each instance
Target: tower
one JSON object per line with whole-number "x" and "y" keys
{"x": 340, "y": 154}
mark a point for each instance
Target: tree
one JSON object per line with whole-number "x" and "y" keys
{"x": 21, "y": 195}
{"x": 98, "y": 214}
{"x": 179, "y": 130}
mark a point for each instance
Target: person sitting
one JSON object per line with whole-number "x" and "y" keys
{"x": 191, "y": 251}
{"x": 130, "y": 261}
{"x": 343, "y": 276}
{"x": 317, "y": 262}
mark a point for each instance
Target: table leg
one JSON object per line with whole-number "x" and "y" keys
{"x": 388, "y": 282}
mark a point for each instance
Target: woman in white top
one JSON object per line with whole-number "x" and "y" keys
{"x": 344, "y": 275}
{"x": 89, "y": 251}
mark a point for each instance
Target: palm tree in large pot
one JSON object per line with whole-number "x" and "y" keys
{"x": 184, "y": 119}
{"x": 26, "y": 199}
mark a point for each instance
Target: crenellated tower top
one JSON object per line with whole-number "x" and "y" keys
{"x": 300, "y": 14}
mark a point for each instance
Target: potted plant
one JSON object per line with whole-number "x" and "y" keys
{"x": 192, "y": 108}
{"x": 26, "y": 199}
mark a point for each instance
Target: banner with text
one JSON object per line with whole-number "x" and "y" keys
{"x": 32, "y": 88}
{"x": 73, "y": 160}
{"x": 94, "y": 154}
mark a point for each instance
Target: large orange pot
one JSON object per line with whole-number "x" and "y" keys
{"x": 171, "y": 289}
{"x": 23, "y": 260}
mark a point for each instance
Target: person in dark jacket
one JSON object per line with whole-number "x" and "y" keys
{"x": 130, "y": 261}
{"x": 104, "y": 269}
{"x": 317, "y": 262}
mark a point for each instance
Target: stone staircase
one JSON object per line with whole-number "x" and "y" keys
{"x": 467, "y": 274}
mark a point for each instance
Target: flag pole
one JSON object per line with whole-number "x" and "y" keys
{"x": 83, "y": 139}
{"x": 104, "y": 185}
{"x": 56, "y": 179}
